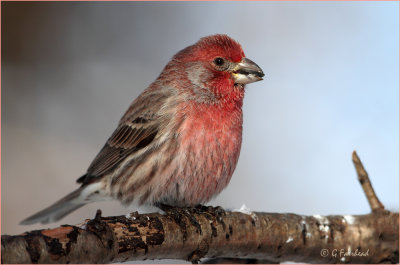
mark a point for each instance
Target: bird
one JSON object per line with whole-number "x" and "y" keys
{"x": 179, "y": 141}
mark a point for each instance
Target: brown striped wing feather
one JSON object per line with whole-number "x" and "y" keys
{"x": 128, "y": 138}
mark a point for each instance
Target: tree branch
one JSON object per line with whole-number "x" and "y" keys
{"x": 207, "y": 232}
{"x": 191, "y": 234}
{"x": 363, "y": 178}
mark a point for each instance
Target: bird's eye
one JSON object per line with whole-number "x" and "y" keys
{"x": 219, "y": 61}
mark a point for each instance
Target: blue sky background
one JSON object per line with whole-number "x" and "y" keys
{"x": 70, "y": 70}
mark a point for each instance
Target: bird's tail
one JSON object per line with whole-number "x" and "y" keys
{"x": 58, "y": 210}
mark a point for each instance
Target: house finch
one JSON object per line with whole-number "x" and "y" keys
{"x": 179, "y": 141}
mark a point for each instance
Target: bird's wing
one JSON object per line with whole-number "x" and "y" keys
{"x": 128, "y": 138}
{"x": 137, "y": 130}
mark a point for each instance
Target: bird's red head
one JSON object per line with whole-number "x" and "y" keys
{"x": 214, "y": 69}
{"x": 212, "y": 47}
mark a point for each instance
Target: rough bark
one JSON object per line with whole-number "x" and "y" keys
{"x": 191, "y": 234}
{"x": 206, "y": 232}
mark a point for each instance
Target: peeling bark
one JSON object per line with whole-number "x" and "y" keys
{"x": 196, "y": 233}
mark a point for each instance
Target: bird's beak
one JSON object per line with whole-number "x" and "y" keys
{"x": 246, "y": 72}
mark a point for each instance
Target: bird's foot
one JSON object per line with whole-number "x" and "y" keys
{"x": 217, "y": 211}
{"x": 198, "y": 209}
{"x": 179, "y": 213}
{"x": 165, "y": 207}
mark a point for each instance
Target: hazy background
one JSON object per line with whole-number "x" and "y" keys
{"x": 70, "y": 70}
